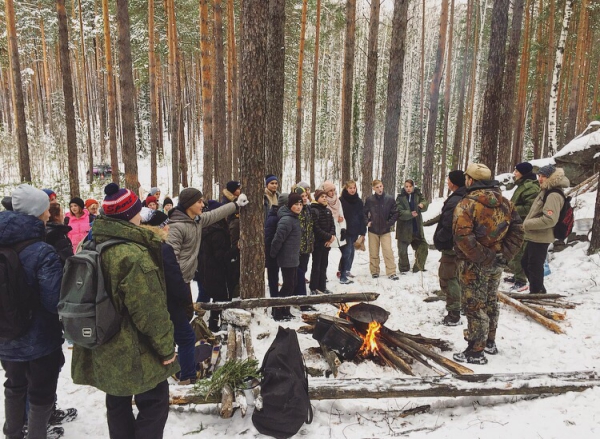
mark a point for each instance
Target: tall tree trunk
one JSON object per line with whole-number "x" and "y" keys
{"x": 583, "y": 86}
{"x": 536, "y": 113}
{"x": 87, "y": 111}
{"x": 299, "y": 94}
{"x": 17, "y": 94}
{"x": 219, "y": 123}
{"x": 232, "y": 90}
{"x": 458, "y": 133}
{"x": 127, "y": 95}
{"x": 508, "y": 96}
{"x": 101, "y": 95}
{"x": 595, "y": 241}
{"x": 434, "y": 97}
{"x": 253, "y": 88}
{"x": 153, "y": 97}
{"x": 447, "y": 92}
{"x": 174, "y": 93}
{"x": 313, "y": 120}
{"x": 370, "y": 99}
{"x": 180, "y": 71}
{"x": 579, "y": 55}
{"x": 47, "y": 82}
{"x": 493, "y": 89}
{"x": 394, "y": 95}
{"x": 207, "y": 113}
{"x": 422, "y": 90}
{"x": 110, "y": 90}
{"x": 347, "y": 85}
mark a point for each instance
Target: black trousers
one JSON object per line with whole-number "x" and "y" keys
{"x": 318, "y": 274}
{"x": 290, "y": 278}
{"x": 153, "y": 407}
{"x": 35, "y": 380}
{"x": 533, "y": 265}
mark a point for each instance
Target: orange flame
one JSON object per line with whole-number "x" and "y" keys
{"x": 370, "y": 343}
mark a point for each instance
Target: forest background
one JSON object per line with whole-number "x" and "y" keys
{"x": 215, "y": 90}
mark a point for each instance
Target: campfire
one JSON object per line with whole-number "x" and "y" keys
{"x": 358, "y": 332}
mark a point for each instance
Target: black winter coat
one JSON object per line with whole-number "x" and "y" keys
{"x": 323, "y": 224}
{"x": 270, "y": 229}
{"x": 354, "y": 214}
{"x": 178, "y": 291}
{"x": 286, "y": 242}
{"x": 443, "y": 238}
{"x": 214, "y": 261}
{"x": 56, "y": 236}
{"x": 382, "y": 212}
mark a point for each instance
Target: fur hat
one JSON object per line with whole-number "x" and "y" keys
{"x": 282, "y": 200}
{"x": 78, "y": 201}
{"x": 457, "y": 177}
{"x": 269, "y": 178}
{"x": 524, "y": 168}
{"x": 120, "y": 203}
{"x": 478, "y": 171}
{"x": 29, "y": 200}
{"x": 318, "y": 194}
{"x": 293, "y": 199}
{"x": 233, "y": 186}
{"x": 188, "y": 197}
{"x": 89, "y": 202}
{"x": 546, "y": 171}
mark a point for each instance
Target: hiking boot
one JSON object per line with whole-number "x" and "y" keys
{"x": 470, "y": 356}
{"x": 393, "y": 277}
{"x": 348, "y": 274}
{"x": 375, "y": 275}
{"x": 306, "y": 308}
{"x": 519, "y": 287}
{"x": 509, "y": 279}
{"x": 315, "y": 292}
{"x": 490, "y": 347}
{"x": 59, "y": 416}
{"x": 327, "y": 291}
{"x": 187, "y": 382}
{"x": 55, "y": 432}
{"x": 452, "y": 319}
{"x": 346, "y": 281}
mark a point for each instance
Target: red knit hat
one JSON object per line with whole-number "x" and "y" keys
{"x": 151, "y": 199}
{"x": 120, "y": 203}
{"x": 89, "y": 202}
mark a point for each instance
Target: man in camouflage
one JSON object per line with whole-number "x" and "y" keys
{"x": 488, "y": 232}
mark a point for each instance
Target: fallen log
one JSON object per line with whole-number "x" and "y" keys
{"x": 550, "y": 303}
{"x": 394, "y": 359}
{"x": 413, "y": 353}
{"x": 446, "y": 386}
{"x": 536, "y": 316}
{"x": 535, "y": 296}
{"x": 332, "y": 359}
{"x": 552, "y": 315}
{"x": 290, "y": 301}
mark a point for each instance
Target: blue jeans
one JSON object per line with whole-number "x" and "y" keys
{"x": 185, "y": 338}
{"x": 347, "y": 256}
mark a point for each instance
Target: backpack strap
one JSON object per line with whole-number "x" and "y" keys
{"x": 553, "y": 190}
{"x": 108, "y": 243}
{"x": 20, "y": 246}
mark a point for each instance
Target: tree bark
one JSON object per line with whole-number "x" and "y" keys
{"x": 153, "y": 97}
{"x": 595, "y": 240}
{"x": 67, "y": 81}
{"x": 87, "y": 110}
{"x": 370, "y": 99}
{"x": 253, "y": 113}
{"x": 530, "y": 313}
{"x": 299, "y": 94}
{"x": 313, "y": 121}
{"x": 292, "y": 300}
{"x": 447, "y": 94}
{"x": 110, "y": 91}
{"x": 577, "y": 67}
{"x": 347, "y": 86}
{"x": 232, "y": 90}
{"x": 394, "y": 95}
{"x": 434, "y": 97}
{"x": 222, "y": 156}
{"x": 17, "y": 96}
{"x": 207, "y": 114}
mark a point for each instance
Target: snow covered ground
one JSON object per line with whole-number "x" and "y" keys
{"x": 524, "y": 345}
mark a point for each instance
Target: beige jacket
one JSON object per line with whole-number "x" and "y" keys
{"x": 542, "y": 217}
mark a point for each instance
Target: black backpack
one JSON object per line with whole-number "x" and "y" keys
{"x": 284, "y": 388}
{"x": 18, "y": 300}
{"x": 566, "y": 218}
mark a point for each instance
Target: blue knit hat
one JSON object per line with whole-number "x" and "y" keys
{"x": 547, "y": 170}
{"x": 269, "y": 178}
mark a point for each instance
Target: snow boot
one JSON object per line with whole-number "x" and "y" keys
{"x": 55, "y": 432}
{"x": 470, "y": 356}
{"x": 452, "y": 319}
{"x": 490, "y": 347}
{"x": 59, "y": 416}
{"x": 519, "y": 287}
{"x": 509, "y": 279}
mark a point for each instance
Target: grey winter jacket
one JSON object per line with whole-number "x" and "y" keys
{"x": 381, "y": 211}
{"x": 185, "y": 236}
{"x": 542, "y": 217}
{"x": 286, "y": 242}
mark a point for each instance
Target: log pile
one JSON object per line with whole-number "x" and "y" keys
{"x": 541, "y": 308}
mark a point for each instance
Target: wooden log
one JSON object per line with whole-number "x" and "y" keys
{"x": 305, "y": 329}
{"x": 231, "y": 348}
{"x": 418, "y": 338}
{"x": 550, "y": 303}
{"x": 414, "y": 354}
{"x": 249, "y": 345}
{"x": 227, "y": 398}
{"x": 239, "y": 343}
{"x": 415, "y": 411}
{"x": 394, "y": 359}
{"x": 439, "y": 359}
{"x": 292, "y": 300}
{"x": 311, "y": 319}
{"x": 535, "y": 296}
{"x": 536, "y": 316}
{"x": 552, "y": 315}
{"x": 332, "y": 359}
{"x": 446, "y": 386}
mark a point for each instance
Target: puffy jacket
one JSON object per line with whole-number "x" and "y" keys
{"x": 43, "y": 271}
{"x": 323, "y": 223}
{"x": 214, "y": 261}
{"x": 542, "y": 217}
{"x": 286, "y": 242}
{"x": 527, "y": 189}
{"x": 131, "y": 362}
{"x": 381, "y": 211}
{"x": 406, "y": 222}
{"x": 307, "y": 240}
{"x": 486, "y": 224}
{"x": 185, "y": 235}
{"x": 443, "y": 238}
{"x": 80, "y": 227}
{"x": 354, "y": 214}
{"x": 57, "y": 237}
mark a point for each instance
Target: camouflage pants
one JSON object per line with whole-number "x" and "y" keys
{"x": 448, "y": 274}
{"x": 515, "y": 265}
{"x": 480, "y": 287}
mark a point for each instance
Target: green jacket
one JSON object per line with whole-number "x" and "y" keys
{"x": 131, "y": 362}
{"x": 404, "y": 228}
{"x": 527, "y": 189}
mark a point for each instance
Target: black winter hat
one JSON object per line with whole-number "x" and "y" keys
{"x": 524, "y": 168}
{"x": 78, "y": 201}
{"x": 457, "y": 177}
{"x": 188, "y": 197}
{"x": 167, "y": 201}
{"x": 233, "y": 186}
{"x": 293, "y": 199}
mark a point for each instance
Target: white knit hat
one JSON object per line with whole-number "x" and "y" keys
{"x": 29, "y": 200}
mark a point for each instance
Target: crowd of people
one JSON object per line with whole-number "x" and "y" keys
{"x": 479, "y": 234}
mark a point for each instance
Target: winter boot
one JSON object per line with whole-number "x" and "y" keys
{"x": 470, "y": 356}
{"x": 519, "y": 287}
{"x": 452, "y": 319}
{"x": 490, "y": 347}
{"x": 55, "y": 432}
{"x": 38, "y": 420}
{"x": 59, "y": 416}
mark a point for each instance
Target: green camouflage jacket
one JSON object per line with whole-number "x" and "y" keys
{"x": 527, "y": 189}
{"x": 404, "y": 228}
{"x": 307, "y": 241}
{"x": 131, "y": 362}
{"x": 486, "y": 224}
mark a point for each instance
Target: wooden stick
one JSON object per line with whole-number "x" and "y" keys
{"x": 396, "y": 361}
{"x": 552, "y": 315}
{"x": 550, "y": 303}
{"x": 248, "y": 343}
{"x": 446, "y": 386}
{"x": 414, "y": 354}
{"x": 239, "y": 343}
{"x": 292, "y": 300}
{"x": 332, "y": 359}
{"x": 547, "y": 323}
{"x": 535, "y": 296}
{"x": 230, "y": 342}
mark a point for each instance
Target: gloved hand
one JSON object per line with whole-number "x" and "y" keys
{"x": 501, "y": 261}
{"x": 242, "y": 200}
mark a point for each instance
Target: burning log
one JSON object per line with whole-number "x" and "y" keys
{"x": 446, "y": 386}
{"x": 332, "y": 359}
{"x": 290, "y": 301}
{"x": 389, "y": 355}
{"x": 551, "y": 325}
